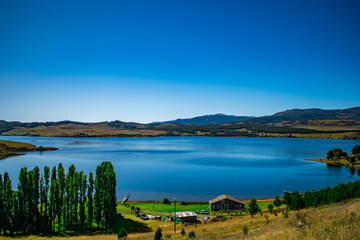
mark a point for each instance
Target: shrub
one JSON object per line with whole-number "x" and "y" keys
{"x": 122, "y": 233}
{"x": 253, "y": 207}
{"x": 270, "y": 207}
{"x": 245, "y": 229}
{"x": 158, "y": 234}
{"x": 165, "y": 200}
{"x": 267, "y": 219}
{"x": 191, "y": 234}
{"x": 183, "y": 232}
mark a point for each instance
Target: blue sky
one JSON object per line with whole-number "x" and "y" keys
{"x": 150, "y": 61}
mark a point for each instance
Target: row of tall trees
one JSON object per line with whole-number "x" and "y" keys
{"x": 314, "y": 198}
{"x": 55, "y": 201}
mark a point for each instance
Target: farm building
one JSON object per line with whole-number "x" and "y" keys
{"x": 186, "y": 216}
{"x": 224, "y": 202}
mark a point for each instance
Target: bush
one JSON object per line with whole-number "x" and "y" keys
{"x": 191, "y": 234}
{"x": 253, "y": 207}
{"x": 158, "y": 234}
{"x": 245, "y": 229}
{"x": 356, "y": 149}
{"x": 183, "y": 232}
{"x": 122, "y": 233}
{"x": 165, "y": 200}
{"x": 270, "y": 207}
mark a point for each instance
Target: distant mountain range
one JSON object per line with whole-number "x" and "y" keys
{"x": 309, "y": 114}
{"x": 315, "y": 123}
{"x": 208, "y": 119}
{"x": 288, "y": 115}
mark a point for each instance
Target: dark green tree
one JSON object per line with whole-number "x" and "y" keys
{"x": 330, "y": 155}
{"x": 105, "y": 194}
{"x": 24, "y": 200}
{"x": 270, "y": 207}
{"x": 356, "y": 149}
{"x": 34, "y": 177}
{"x": 277, "y": 201}
{"x": 9, "y": 203}
{"x": 61, "y": 183}
{"x": 296, "y": 201}
{"x": 82, "y": 197}
{"x": 338, "y": 153}
{"x": 42, "y": 200}
{"x": 2, "y": 208}
{"x": 76, "y": 186}
{"x": 158, "y": 234}
{"x": 46, "y": 190}
{"x": 253, "y": 207}
{"x": 287, "y": 198}
{"x": 165, "y": 200}
{"x": 90, "y": 202}
{"x": 98, "y": 202}
{"x": 54, "y": 198}
{"x": 69, "y": 195}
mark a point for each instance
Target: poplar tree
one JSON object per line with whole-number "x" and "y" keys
{"x": 54, "y": 190}
{"x": 98, "y": 195}
{"x": 8, "y": 204}
{"x": 90, "y": 202}
{"x": 34, "y": 194}
{"x": 2, "y": 208}
{"x": 61, "y": 184}
{"x": 105, "y": 194}
{"x": 76, "y": 184}
{"x": 82, "y": 197}
{"x": 46, "y": 196}
{"x": 42, "y": 201}
{"x": 23, "y": 198}
{"x": 69, "y": 194}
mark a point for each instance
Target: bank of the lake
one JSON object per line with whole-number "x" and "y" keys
{"x": 12, "y": 148}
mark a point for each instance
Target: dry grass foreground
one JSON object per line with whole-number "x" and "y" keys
{"x": 337, "y": 221}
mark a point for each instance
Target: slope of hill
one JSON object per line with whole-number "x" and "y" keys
{"x": 208, "y": 119}
{"x": 309, "y": 114}
{"x": 310, "y": 123}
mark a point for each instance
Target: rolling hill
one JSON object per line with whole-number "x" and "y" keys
{"x": 309, "y": 114}
{"x": 208, "y": 119}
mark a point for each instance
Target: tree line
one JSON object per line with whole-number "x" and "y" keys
{"x": 54, "y": 201}
{"x": 337, "y": 154}
{"x": 315, "y": 198}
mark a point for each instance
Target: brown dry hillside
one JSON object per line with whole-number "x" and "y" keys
{"x": 336, "y": 221}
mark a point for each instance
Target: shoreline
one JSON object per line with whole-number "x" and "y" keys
{"x": 340, "y": 163}
{"x": 13, "y": 148}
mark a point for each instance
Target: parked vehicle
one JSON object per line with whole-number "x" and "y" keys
{"x": 143, "y": 216}
{"x": 203, "y": 212}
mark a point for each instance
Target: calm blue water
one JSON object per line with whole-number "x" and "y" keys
{"x": 194, "y": 168}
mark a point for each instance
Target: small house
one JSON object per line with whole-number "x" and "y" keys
{"x": 224, "y": 202}
{"x": 186, "y": 216}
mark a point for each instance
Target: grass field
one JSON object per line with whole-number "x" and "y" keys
{"x": 154, "y": 208}
{"x": 336, "y": 221}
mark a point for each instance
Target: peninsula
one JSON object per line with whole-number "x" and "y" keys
{"x": 11, "y": 148}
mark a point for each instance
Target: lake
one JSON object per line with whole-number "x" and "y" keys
{"x": 194, "y": 168}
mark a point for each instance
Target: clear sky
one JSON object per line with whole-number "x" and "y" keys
{"x": 150, "y": 61}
